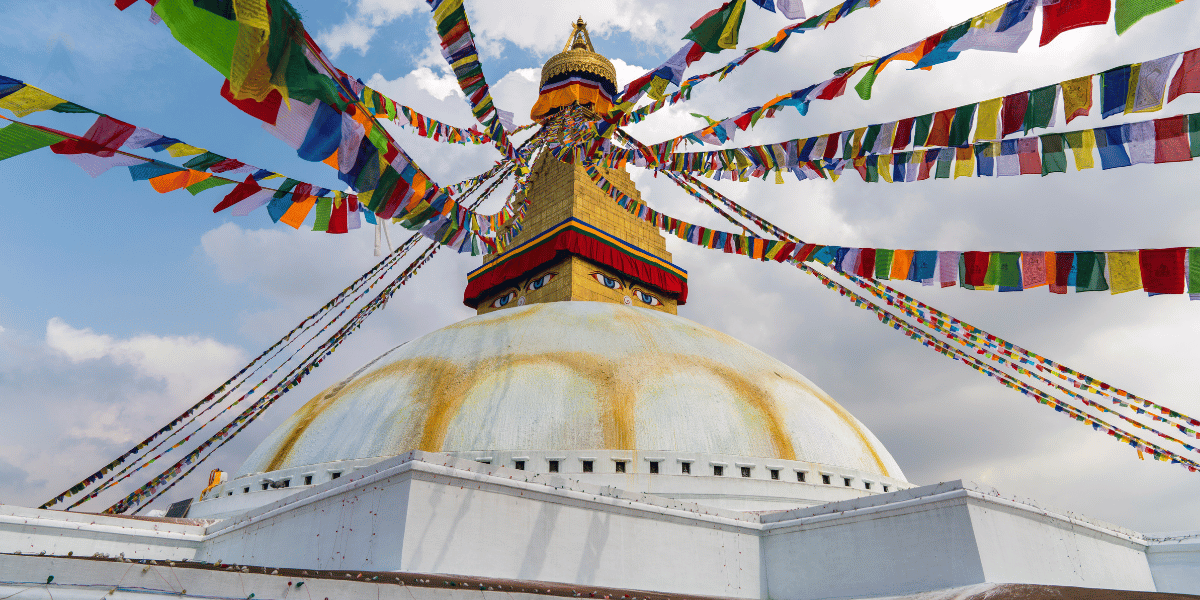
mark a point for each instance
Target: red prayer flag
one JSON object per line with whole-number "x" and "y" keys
{"x": 743, "y": 122}
{"x": 337, "y": 218}
{"x": 939, "y": 133}
{"x": 1066, "y": 15}
{"x": 1171, "y": 140}
{"x": 866, "y": 263}
{"x": 975, "y": 266}
{"x": 903, "y": 134}
{"x": 1063, "y": 261}
{"x": 1163, "y": 270}
{"x": 1027, "y": 153}
{"x": 301, "y": 192}
{"x": 785, "y": 252}
{"x": 102, "y": 139}
{"x": 831, "y": 145}
{"x": 123, "y": 4}
{"x": 243, "y": 190}
{"x": 836, "y": 87}
{"x": 1012, "y": 117}
{"x": 1187, "y": 78}
{"x": 265, "y": 111}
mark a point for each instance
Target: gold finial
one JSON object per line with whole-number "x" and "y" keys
{"x": 579, "y": 39}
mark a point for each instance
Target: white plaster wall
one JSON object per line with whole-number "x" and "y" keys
{"x": 864, "y": 553}
{"x": 1019, "y": 545}
{"x": 493, "y": 532}
{"x": 1176, "y": 565}
{"x": 32, "y": 530}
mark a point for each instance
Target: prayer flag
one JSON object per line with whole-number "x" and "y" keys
{"x": 102, "y": 139}
{"x": 178, "y": 180}
{"x": 1082, "y": 143}
{"x": 1030, "y": 159}
{"x": 985, "y": 158}
{"x": 1040, "y": 112}
{"x": 1124, "y": 271}
{"x": 993, "y": 32}
{"x": 298, "y": 211}
{"x": 1110, "y": 141}
{"x": 1009, "y": 266}
{"x": 924, "y": 265}
{"x": 948, "y": 268}
{"x": 1033, "y": 269}
{"x": 1139, "y": 142}
{"x": 28, "y": 100}
{"x": 1114, "y": 90}
{"x": 964, "y": 162}
{"x": 1077, "y": 96}
{"x": 1066, "y": 15}
{"x": 1054, "y": 156}
{"x": 1194, "y": 133}
{"x": 1008, "y": 163}
{"x": 987, "y": 121}
{"x": 1193, "y": 260}
{"x": 19, "y": 138}
{"x": 1090, "y": 273}
{"x": 883, "y": 263}
{"x": 904, "y": 129}
{"x": 945, "y": 160}
{"x": 1163, "y": 270}
{"x": 324, "y": 211}
{"x": 960, "y": 126}
{"x": 1064, "y": 264}
{"x": 976, "y": 267}
{"x": 1132, "y": 11}
{"x": 209, "y": 183}
{"x": 1187, "y": 77}
{"x": 901, "y": 264}
{"x": 921, "y": 130}
{"x": 1171, "y": 140}
{"x": 1149, "y": 85}
{"x": 718, "y": 29}
{"x": 939, "y": 133}
{"x": 1013, "y": 114}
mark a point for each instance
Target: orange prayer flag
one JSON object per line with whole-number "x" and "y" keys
{"x": 298, "y": 211}
{"x": 177, "y": 180}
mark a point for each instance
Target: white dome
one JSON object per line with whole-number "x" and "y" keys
{"x": 575, "y": 376}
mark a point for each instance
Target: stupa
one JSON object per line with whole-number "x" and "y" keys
{"x": 579, "y": 438}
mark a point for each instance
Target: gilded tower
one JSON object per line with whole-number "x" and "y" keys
{"x": 576, "y": 242}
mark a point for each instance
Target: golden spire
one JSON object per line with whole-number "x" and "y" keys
{"x": 578, "y": 54}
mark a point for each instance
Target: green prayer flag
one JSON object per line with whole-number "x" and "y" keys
{"x": 1090, "y": 274}
{"x": 209, "y": 183}
{"x": 1194, "y": 133}
{"x": 1009, "y": 269}
{"x": 945, "y": 162}
{"x": 19, "y": 138}
{"x": 1040, "y": 109}
{"x": 960, "y": 127}
{"x": 921, "y": 129}
{"x": 324, "y": 208}
{"x": 71, "y": 107}
{"x": 868, "y": 81}
{"x": 992, "y": 277}
{"x": 1193, "y": 270}
{"x": 1131, "y": 11}
{"x": 708, "y": 32}
{"x": 285, "y": 187}
{"x": 204, "y": 161}
{"x": 868, "y": 141}
{"x": 1054, "y": 156}
{"x": 883, "y": 263}
{"x": 209, "y": 36}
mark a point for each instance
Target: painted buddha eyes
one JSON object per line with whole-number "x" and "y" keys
{"x": 647, "y": 298}
{"x": 607, "y": 281}
{"x": 537, "y": 284}
{"x": 503, "y": 300}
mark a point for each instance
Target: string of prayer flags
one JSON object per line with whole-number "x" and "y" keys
{"x": 958, "y": 331}
{"x": 1002, "y": 29}
{"x": 672, "y": 71}
{"x": 458, "y": 48}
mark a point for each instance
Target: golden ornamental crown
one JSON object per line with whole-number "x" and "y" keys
{"x": 579, "y": 55}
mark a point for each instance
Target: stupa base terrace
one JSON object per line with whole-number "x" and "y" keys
{"x": 424, "y": 525}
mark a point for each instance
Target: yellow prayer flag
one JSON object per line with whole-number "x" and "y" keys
{"x": 964, "y": 162}
{"x": 856, "y": 145}
{"x": 778, "y": 177}
{"x": 1082, "y": 143}
{"x": 986, "y": 120}
{"x": 182, "y": 149}
{"x": 445, "y": 8}
{"x": 885, "y": 167}
{"x": 1077, "y": 97}
{"x": 729, "y": 36}
{"x": 28, "y": 100}
{"x": 1124, "y": 272}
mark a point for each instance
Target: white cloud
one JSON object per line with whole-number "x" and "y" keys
{"x": 184, "y": 363}
{"x": 360, "y": 26}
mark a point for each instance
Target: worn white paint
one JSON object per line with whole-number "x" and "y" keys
{"x": 574, "y": 376}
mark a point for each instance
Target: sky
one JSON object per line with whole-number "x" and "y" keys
{"x": 120, "y": 307}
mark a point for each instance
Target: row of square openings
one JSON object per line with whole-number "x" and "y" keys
{"x": 589, "y": 466}
{"x": 286, "y": 483}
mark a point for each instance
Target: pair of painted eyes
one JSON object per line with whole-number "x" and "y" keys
{"x": 536, "y": 284}
{"x": 613, "y": 284}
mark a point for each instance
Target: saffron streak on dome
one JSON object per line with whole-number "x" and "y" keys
{"x": 571, "y": 376}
